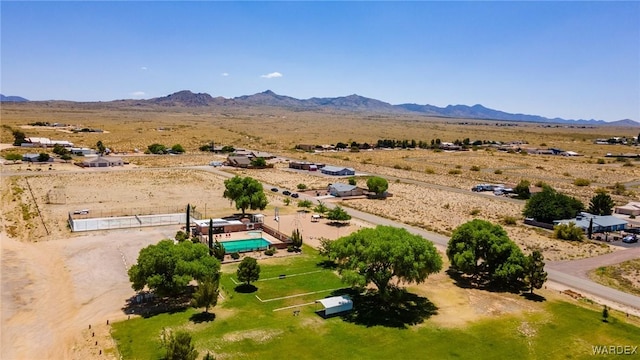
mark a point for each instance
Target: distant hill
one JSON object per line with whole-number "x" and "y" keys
{"x": 352, "y": 103}
{"x": 12, "y": 98}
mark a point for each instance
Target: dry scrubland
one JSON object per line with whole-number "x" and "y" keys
{"x": 430, "y": 203}
{"x": 434, "y": 200}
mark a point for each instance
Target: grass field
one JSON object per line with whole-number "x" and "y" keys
{"x": 245, "y": 328}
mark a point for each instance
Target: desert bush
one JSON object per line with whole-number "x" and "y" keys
{"x": 474, "y": 212}
{"x": 301, "y": 186}
{"x": 600, "y": 161}
{"x": 429, "y": 171}
{"x": 498, "y": 172}
{"x": 475, "y": 168}
{"x": 568, "y": 232}
{"x": 581, "y": 182}
{"x": 270, "y": 251}
{"x": 510, "y": 220}
{"x": 627, "y": 163}
{"x": 235, "y": 255}
{"x": 455, "y": 172}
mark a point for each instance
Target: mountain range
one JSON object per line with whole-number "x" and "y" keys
{"x": 12, "y": 98}
{"x": 352, "y": 103}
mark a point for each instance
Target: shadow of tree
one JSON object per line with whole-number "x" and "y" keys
{"x": 246, "y": 288}
{"x": 400, "y": 310}
{"x": 465, "y": 281}
{"x": 337, "y": 224}
{"x": 327, "y": 264}
{"x": 533, "y": 297}
{"x": 147, "y": 305}
{"x": 202, "y": 317}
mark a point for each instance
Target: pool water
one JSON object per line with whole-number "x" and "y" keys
{"x": 245, "y": 245}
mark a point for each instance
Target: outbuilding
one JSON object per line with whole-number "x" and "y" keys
{"x": 601, "y": 224}
{"x": 632, "y": 208}
{"x": 338, "y": 171}
{"x": 342, "y": 190}
{"x": 336, "y": 304}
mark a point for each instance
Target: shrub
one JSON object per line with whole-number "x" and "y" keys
{"x": 235, "y": 255}
{"x": 474, "y": 212}
{"x": 455, "y": 172}
{"x": 566, "y": 174}
{"x": 510, "y": 220}
{"x": 396, "y": 166}
{"x": 627, "y": 163}
{"x": 429, "y": 171}
{"x": 498, "y": 172}
{"x": 581, "y": 182}
{"x": 600, "y": 161}
{"x": 302, "y": 186}
{"x": 475, "y": 168}
{"x": 291, "y": 248}
{"x": 568, "y": 232}
{"x": 458, "y": 166}
{"x": 270, "y": 251}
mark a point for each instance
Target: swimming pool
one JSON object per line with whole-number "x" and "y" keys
{"x": 245, "y": 245}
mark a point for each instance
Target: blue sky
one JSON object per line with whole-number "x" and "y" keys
{"x": 556, "y": 59}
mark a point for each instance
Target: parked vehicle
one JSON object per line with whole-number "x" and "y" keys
{"x": 295, "y": 195}
{"x": 286, "y": 192}
{"x": 274, "y": 189}
{"x": 629, "y": 239}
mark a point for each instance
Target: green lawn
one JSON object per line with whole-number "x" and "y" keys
{"x": 245, "y": 328}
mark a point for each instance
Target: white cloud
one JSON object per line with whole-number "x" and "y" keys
{"x": 224, "y": 74}
{"x": 138, "y": 93}
{"x": 271, "y": 75}
{"x": 143, "y": 68}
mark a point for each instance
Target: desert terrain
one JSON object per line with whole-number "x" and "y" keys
{"x": 49, "y": 274}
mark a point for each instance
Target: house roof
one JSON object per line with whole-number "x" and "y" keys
{"x": 585, "y": 218}
{"x": 343, "y": 187}
{"x": 329, "y": 168}
{"x": 335, "y": 301}
{"x": 242, "y": 160}
{"x": 109, "y": 159}
{"x": 262, "y": 154}
{"x": 632, "y": 205}
{"x": 217, "y": 222}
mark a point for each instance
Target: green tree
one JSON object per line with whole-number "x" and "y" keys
{"x": 179, "y": 346}
{"x": 549, "y": 205}
{"x": 13, "y": 157}
{"x": 352, "y": 181}
{"x": 178, "y": 149}
{"x": 43, "y": 157}
{"x": 601, "y": 204}
{"x": 258, "y": 162}
{"x": 66, "y": 157}
{"x": 377, "y": 185}
{"x": 207, "y": 294}
{"x": 246, "y": 192}
{"x": 248, "y": 270}
{"x": 378, "y": 255}
{"x": 296, "y": 240}
{"x": 605, "y": 314}
{"x": 301, "y": 186}
{"x": 228, "y": 149}
{"x": 167, "y": 268}
{"x": 338, "y": 214}
{"x": 218, "y": 250}
{"x": 484, "y": 251}
{"x": 181, "y": 236}
{"x": 534, "y": 274}
{"x": 321, "y": 208}
{"x": 101, "y": 147}
{"x": 157, "y": 149}
{"x": 568, "y": 232}
{"x": 522, "y": 190}
{"x": 18, "y": 137}
{"x": 60, "y": 150}
{"x": 305, "y": 204}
